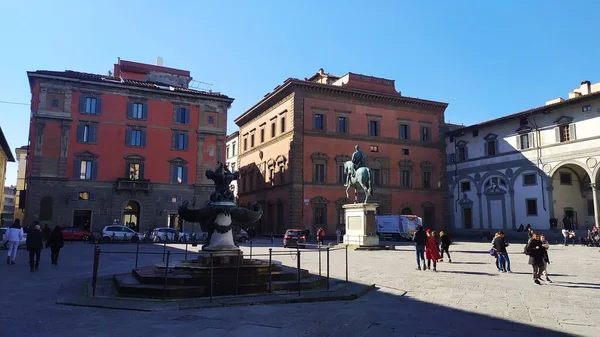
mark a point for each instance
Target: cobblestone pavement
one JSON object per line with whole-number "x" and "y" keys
{"x": 465, "y": 298}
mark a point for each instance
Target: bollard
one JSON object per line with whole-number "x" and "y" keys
{"x": 319, "y": 259}
{"x": 211, "y": 277}
{"x": 346, "y": 263}
{"x": 166, "y": 275}
{"x": 298, "y": 258}
{"x": 327, "y": 268}
{"x": 95, "y": 270}
{"x": 250, "y": 249}
{"x": 270, "y": 266}
{"x": 237, "y": 278}
{"x": 164, "y": 250}
{"x": 137, "y": 253}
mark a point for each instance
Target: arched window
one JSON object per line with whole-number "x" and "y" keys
{"x": 494, "y": 183}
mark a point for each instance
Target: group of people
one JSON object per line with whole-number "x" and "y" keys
{"x": 34, "y": 243}
{"x": 537, "y": 249}
{"x": 429, "y": 250}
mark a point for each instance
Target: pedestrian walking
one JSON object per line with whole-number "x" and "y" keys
{"x": 420, "y": 240}
{"x": 55, "y": 242}
{"x": 500, "y": 245}
{"x": 431, "y": 250}
{"x": 445, "y": 245}
{"x": 546, "y": 246}
{"x": 14, "y": 235}
{"x": 35, "y": 244}
{"x": 536, "y": 252}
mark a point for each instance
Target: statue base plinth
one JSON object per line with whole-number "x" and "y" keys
{"x": 361, "y": 225}
{"x": 220, "y": 258}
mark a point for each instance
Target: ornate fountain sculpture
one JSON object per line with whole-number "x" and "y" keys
{"x": 219, "y": 213}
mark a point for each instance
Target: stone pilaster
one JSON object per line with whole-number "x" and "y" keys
{"x": 64, "y": 148}
{"x": 200, "y": 167}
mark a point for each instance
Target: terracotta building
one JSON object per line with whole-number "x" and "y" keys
{"x": 122, "y": 148}
{"x": 294, "y": 142}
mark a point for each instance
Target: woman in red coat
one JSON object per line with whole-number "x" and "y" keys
{"x": 431, "y": 250}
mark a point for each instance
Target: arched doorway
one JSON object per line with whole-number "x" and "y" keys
{"x": 131, "y": 215}
{"x": 46, "y": 209}
{"x": 572, "y": 194}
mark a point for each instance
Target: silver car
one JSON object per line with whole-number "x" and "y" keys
{"x": 119, "y": 233}
{"x": 163, "y": 234}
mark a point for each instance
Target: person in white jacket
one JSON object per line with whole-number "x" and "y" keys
{"x": 14, "y": 235}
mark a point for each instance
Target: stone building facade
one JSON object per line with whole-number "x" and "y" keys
{"x": 124, "y": 149}
{"x": 528, "y": 167}
{"x": 231, "y": 155}
{"x": 294, "y": 142}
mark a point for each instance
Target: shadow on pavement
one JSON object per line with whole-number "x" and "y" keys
{"x": 466, "y": 272}
{"x": 465, "y": 262}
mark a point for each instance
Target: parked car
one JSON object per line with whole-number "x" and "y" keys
{"x": 76, "y": 234}
{"x": 4, "y": 241}
{"x": 241, "y": 236}
{"x": 163, "y": 234}
{"x": 119, "y": 233}
{"x": 294, "y": 238}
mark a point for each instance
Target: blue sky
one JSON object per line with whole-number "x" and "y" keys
{"x": 485, "y": 58}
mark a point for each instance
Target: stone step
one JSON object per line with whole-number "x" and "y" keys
{"x": 127, "y": 285}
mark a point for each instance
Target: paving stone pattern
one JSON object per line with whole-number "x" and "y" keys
{"x": 465, "y": 298}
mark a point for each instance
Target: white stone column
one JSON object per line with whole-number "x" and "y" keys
{"x": 595, "y": 198}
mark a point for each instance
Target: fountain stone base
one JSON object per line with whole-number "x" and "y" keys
{"x": 220, "y": 258}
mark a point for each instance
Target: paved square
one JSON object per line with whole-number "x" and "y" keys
{"x": 465, "y": 298}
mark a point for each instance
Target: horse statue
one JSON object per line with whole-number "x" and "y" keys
{"x": 363, "y": 178}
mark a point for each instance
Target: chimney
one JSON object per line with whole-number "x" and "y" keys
{"x": 159, "y": 61}
{"x": 585, "y": 88}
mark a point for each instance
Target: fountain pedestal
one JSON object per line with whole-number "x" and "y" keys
{"x": 220, "y": 258}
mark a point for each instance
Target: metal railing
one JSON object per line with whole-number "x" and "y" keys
{"x": 168, "y": 254}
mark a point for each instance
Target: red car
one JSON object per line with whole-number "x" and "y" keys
{"x": 75, "y": 234}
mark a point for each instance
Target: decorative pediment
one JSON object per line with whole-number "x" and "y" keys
{"x": 461, "y": 143}
{"x": 373, "y": 164}
{"x": 280, "y": 159}
{"x": 524, "y": 129}
{"x": 563, "y": 120}
{"x": 428, "y": 204}
{"x": 490, "y": 136}
{"x": 494, "y": 191}
{"x": 405, "y": 163}
{"x": 178, "y": 160}
{"x": 318, "y": 200}
{"x": 86, "y": 154}
{"x": 342, "y": 158}
{"x": 465, "y": 200}
{"x": 134, "y": 157}
{"x": 270, "y": 162}
{"x": 427, "y": 165}
{"x": 319, "y": 156}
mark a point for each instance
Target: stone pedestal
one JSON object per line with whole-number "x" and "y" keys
{"x": 361, "y": 225}
{"x": 221, "y": 241}
{"x": 220, "y": 258}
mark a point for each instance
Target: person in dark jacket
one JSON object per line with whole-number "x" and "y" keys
{"x": 537, "y": 253}
{"x": 445, "y": 245}
{"x": 46, "y": 231}
{"x": 55, "y": 242}
{"x": 420, "y": 240}
{"x": 500, "y": 245}
{"x": 35, "y": 244}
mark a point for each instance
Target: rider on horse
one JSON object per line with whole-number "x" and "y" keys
{"x": 358, "y": 161}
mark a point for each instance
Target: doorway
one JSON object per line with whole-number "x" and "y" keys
{"x": 173, "y": 222}
{"x": 571, "y": 214}
{"x": 467, "y": 218}
{"x": 46, "y": 208}
{"x": 82, "y": 218}
{"x": 131, "y": 215}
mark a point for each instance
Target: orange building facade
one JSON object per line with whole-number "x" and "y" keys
{"x": 294, "y": 142}
{"x": 124, "y": 148}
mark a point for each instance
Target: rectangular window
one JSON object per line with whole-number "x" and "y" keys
{"x": 452, "y": 158}
{"x": 462, "y": 154}
{"x": 319, "y": 215}
{"x": 565, "y": 179}
{"x": 425, "y": 133}
{"x": 426, "y": 179}
{"x": 374, "y": 148}
{"x": 182, "y": 115}
{"x": 211, "y": 120}
{"x": 530, "y": 179}
{"x": 282, "y": 124}
{"x": 262, "y": 135}
{"x": 491, "y": 148}
{"x": 137, "y": 111}
{"x": 404, "y": 132}
{"x": 272, "y": 176}
{"x": 228, "y": 154}
{"x": 376, "y": 177}
{"x": 87, "y": 133}
{"x": 342, "y": 176}
{"x": 319, "y": 122}
{"x": 84, "y": 196}
{"x": 319, "y": 173}
{"x": 586, "y": 108}
{"x": 251, "y": 140}
{"x": 181, "y": 141}
{"x": 524, "y": 141}
{"x": 90, "y": 105}
{"x": 179, "y": 174}
{"x": 233, "y": 149}
{"x": 374, "y": 128}
{"x": 86, "y": 170}
{"x": 273, "y": 127}
{"x": 565, "y": 133}
{"x": 136, "y": 137}
{"x": 136, "y": 171}
{"x": 245, "y": 144}
{"x": 281, "y": 175}
{"x": 532, "y": 207}
{"x": 405, "y": 152}
{"x": 405, "y": 177}
{"x": 232, "y": 167}
{"x": 475, "y": 133}
{"x": 465, "y": 186}
{"x": 342, "y": 125}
